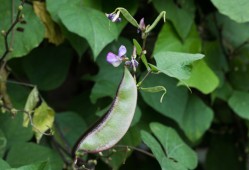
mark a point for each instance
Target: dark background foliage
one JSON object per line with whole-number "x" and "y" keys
{"x": 61, "y": 46}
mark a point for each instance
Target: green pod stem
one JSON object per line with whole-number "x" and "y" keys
{"x": 115, "y": 123}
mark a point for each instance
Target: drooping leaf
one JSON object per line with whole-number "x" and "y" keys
{"x": 89, "y": 24}
{"x": 32, "y": 153}
{"x": 47, "y": 68}
{"x": 31, "y": 103}
{"x": 53, "y": 31}
{"x": 202, "y": 78}
{"x": 176, "y": 64}
{"x": 239, "y": 102}
{"x": 43, "y": 120}
{"x": 23, "y": 41}
{"x": 236, "y": 10}
{"x": 181, "y": 14}
{"x": 191, "y": 114}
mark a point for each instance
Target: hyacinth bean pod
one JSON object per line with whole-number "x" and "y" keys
{"x": 115, "y": 123}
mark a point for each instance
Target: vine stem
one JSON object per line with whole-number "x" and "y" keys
{"x": 136, "y": 149}
{"x": 6, "y": 34}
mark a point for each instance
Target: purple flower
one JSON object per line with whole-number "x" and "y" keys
{"x": 114, "y": 59}
{"x": 113, "y": 17}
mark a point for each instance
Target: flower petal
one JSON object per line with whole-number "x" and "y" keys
{"x": 121, "y": 51}
{"x": 113, "y": 59}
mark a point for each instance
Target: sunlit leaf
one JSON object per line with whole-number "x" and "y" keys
{"x": 43, "y": 119}
{"x": 176, "y": 64}
{"x": 202, "y": 78}
{"x": 53, "y": 32}
{"x": 31, "y": 103}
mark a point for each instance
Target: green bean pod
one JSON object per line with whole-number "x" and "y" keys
{"x": 115, "y": 123}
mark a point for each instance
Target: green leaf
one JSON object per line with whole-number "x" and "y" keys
{"x": 202, "y": 78}
{"x": 168, "y": 40}
{"x": 89, "y": 24}
{"x": 239, "y": 72}
{"x": 32, "y": 153}
{"x": 155, "y": 146}
{"x": 13, "y": 129}
{"x": 108, "y": 77}
{"x": 214, "y": 56}
{"x": 23, "y": 42}
{"x": 175, "y": 64}
{"x": 174, "y": 147}
{"x": 231, "y": 28}
{"x": 182, "y": 16}
{"x": 36, "y": 166}
{"x": 48, "y": 67}
{"x": 224, "y": 92}
{"x": 236, "y": 10}
{"x": 4, "y": 164}
{"x": 175, "y": 155}
{"x": 55, "y": 7}
{"x": 190, "y": 113}
{"x": 79, "y": 44}
{"x": 31, "y": 103}
{"x": 197, "y": 118}
{"x": 43, "y": 120}
{"x": 71, "y": 125}
{"x": 239, "y": 102}
{"x": 3, "y": 144}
